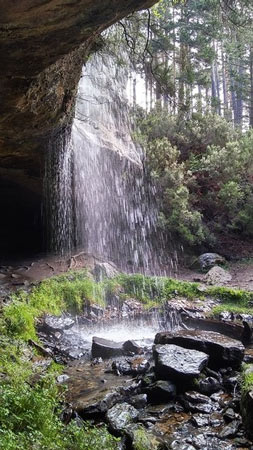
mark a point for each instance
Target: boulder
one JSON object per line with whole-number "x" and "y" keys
{"x": 209, "y": 386}
{"x": 121, "y": 415}
{"x": 104, "y": 348}
{"x": 222, "y": 350}
{"x": 209, "y": 260}
{"x": 217, "y": 275}
{"x": 247, "y": 412}
{"x": 177, "y": 363}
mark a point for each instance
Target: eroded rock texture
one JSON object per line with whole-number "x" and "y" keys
{"x": 44, "y": 44}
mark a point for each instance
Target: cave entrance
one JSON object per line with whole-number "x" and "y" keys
{"x": 21, "y": 221}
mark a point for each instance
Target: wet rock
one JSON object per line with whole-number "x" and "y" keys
{"x": 197, "y": 403}
{"x": 176, "y": 363}
{"x": 230, "y": 383}
{"x": 230, "y": 430}
{"x": 209, "y": 260}
{"x": 53, "y": 324}
{"x": 141, "y": 438}
{"x": 200, "y": 420}
{"x": 131, "y": 308}
{"x": 138, "y": 401}
{"x": 131, "y": 366}
{"x": 209, "y": 386}
{"x": 104, "y": 348}
{"x": 161, "y": 391}
{"x": 95, "y": 312}
{"x": 230, "y": 415}
{"x": 99, "y": 408}
{"x": 104, "y": 270}
{"x": 121, "y": 415}
{"x": 217, "y": 275}
{"x": 222, "y": 350}
{"x": 247, "y": 333}
{"x": 247, "y": 412}
{"x": 62, "y": 378}
{"x": 131, "y": 347}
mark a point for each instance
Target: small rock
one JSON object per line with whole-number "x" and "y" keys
{"x": 209, "y": 386}
{"x": 197, "y": 403}
{"x": 104, "y": 270}
{"x": 139, "y": 401}
{"x": 121, "y": 415}
{"x": 209, "y": 260}
{"x": 142, "y": 439}
{"x": 131, "y": 347}
{"x": 200, "y": 420}
{"x": 229, "y": 415}
{"x": 230, "y": 430}
{"x": 217, "y": 275}
{"x": 131, "y": 366}
{"x": 161, "y": 392}
{"x": 62, "y": 378}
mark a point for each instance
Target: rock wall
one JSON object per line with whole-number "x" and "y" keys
{"x": 44, "y": 44}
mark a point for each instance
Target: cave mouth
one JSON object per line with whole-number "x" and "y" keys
{"x": 21, "y": 228}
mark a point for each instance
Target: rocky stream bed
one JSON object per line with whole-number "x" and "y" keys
{"x": 152, "y": 378}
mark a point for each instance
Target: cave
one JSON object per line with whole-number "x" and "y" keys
{"x": 21, "y": 228}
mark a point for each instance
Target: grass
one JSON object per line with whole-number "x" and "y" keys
{"x": 29, "y": 409}
{"x": 69, "y": 292}
{"x": 247, "y": 378}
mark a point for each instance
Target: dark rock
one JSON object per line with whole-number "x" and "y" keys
{"x": 230, "y": 430}
{"x": 148, "y": 379}
{"x": 230, "y": 383}
{"x": 138, "y": 401}
{"x": 200, "y": 420}
{"x": 53, "y": 324}
{"x": 131, "y": 366}
{"x": 209, "y": 386}
{"x": 230, "y": 415}
{"x": 96, "y": 409}
{"x": 209, "y": 260}
{"x": 161, "y": 391}
{"x": 176, "y": 363}
{"x": 247, "y": 412}
{"x": 141, "y": 438}
{"x": 230, "y": 329}
{"x": 104, "y": 348}
{"x": 197, "y": 403}
{"x": 121, "y": 415}
{"x": 222, "y": 350}
{"x": 131, "y": 347}
{"x": 247, "y": 333}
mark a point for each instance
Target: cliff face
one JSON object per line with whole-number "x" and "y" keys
{"x": 44, "y": 44}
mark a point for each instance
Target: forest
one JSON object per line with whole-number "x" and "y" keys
{"x": 195, "y": 115}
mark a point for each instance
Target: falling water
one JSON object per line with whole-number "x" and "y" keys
{"x": 98, "y": 199}
{"x": 116, "y": 214}
{"x": 58, "y": 193}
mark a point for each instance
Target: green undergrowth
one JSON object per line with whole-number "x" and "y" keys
{"x": 69, "y": 292}
{"x": 31, "y": 401}
{"x": 155, "y": 291}
{"x": 247, "y": 378}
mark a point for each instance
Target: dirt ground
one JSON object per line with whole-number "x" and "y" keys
{"x": 23, "y": 273}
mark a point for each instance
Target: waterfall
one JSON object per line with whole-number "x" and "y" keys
{"x": 100, "y": 198}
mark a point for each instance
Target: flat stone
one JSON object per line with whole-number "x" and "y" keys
{"x": 176, "y": 363}
{"x": 222, "y": 350}
{"x": 121, "y": 415}
{"x": 104, "y": 348}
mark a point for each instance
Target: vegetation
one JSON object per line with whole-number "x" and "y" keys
{"x": 30, "y": 398}
{"x": 69, "y": 292}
